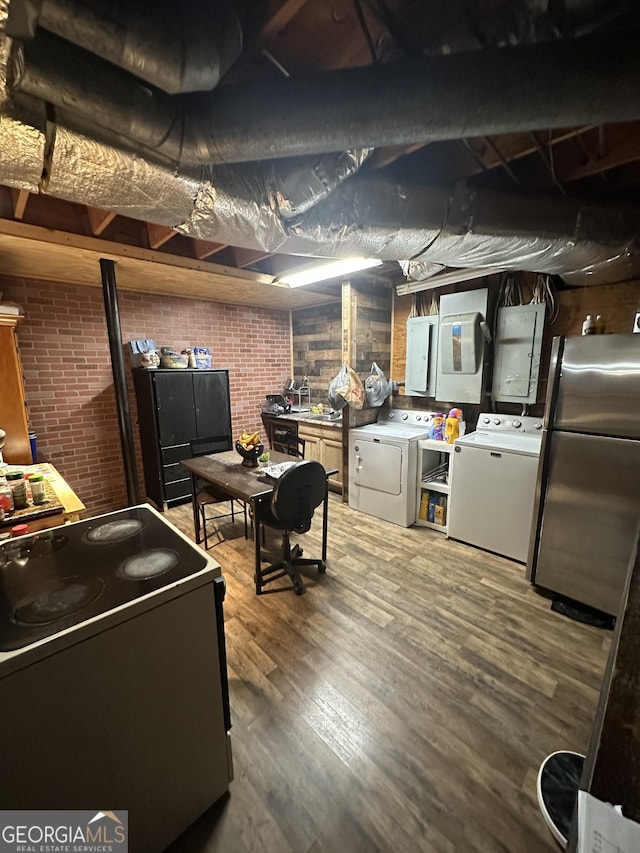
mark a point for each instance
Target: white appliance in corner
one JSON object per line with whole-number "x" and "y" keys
{"x": 383, "y": 465}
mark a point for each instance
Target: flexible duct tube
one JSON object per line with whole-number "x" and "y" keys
{"x": 447, "y": 97}
{"x": 176, "y": 47}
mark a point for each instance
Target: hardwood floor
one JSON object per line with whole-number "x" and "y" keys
{"x": 404, "y": 703}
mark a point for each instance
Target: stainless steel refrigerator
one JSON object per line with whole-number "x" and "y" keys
{"x": 588, "y": 487}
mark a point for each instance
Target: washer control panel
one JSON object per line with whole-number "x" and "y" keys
{"x": 406, "y": 417}
{"x": 490, "y": 422}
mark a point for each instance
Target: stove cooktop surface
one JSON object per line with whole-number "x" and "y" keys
{"x": 58, "y": 578}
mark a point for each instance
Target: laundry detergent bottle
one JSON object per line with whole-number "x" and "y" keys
{"x": 452, "y": 426}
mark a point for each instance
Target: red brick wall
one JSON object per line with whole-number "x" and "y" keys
{"x": 69, "y": 385}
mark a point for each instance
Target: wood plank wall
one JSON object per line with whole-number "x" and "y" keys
{"x": 318, "y": 337}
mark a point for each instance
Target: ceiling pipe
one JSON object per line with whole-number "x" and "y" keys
{"x": 591, "y": 80}
{"x": 176, "y": 47}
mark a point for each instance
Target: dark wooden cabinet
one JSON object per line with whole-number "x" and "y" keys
{"x": 178, "y": 409}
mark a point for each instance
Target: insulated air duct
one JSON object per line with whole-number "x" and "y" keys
{"x": 176, "y": 47}
{"x": 320, "y": 206}
{"x": 480, "y": 93}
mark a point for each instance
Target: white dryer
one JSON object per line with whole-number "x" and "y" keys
{"x": 383, "y": 462}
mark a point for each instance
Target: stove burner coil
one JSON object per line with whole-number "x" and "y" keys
{"x": 114, "y": 531}
{"x": 51, "y": 605}
{"x": 148, "y": 564}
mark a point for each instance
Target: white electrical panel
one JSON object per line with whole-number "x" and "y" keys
{"x": 422, "y": 350}
{"x": 518, "y": 344}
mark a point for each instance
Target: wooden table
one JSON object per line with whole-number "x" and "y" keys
{"x": 64, "y": 505}
{"x": 229, "y": 475}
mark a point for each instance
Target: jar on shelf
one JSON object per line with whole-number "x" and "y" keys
{"x": 6, "y": 498}
{"x": 18, "y": 486}
{"x": 38, "y": 493}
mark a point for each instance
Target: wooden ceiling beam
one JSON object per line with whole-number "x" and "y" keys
{"x": 158, "y": 235}
{"x": 508, "y": 147}
{"x": 99, "y": 219}
{"x": 286, "y": 12}
{"x": 382, "y": 157}
{"x": 20, "y": 199}
{"x": 246, "y": 257}
{"x": 204, "y": 249}
{"x": 622, "y": 147}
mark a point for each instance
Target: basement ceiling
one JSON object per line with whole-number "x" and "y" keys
{"x": 235, "y": 141}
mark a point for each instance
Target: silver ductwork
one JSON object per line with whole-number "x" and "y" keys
{"x": 175, "y": 47}
{"x": 315, "y": 205}
{"x": 479, "y": 93}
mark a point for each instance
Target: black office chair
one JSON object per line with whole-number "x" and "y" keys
{"x": 207, "y": 496}
{"x": 296, "y": 495}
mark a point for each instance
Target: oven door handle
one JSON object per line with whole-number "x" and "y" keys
{"x": 219, "y": 592}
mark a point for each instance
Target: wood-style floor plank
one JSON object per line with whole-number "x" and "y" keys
{"x": 404, "y": 703}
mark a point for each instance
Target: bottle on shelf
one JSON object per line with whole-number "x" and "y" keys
{"x": 599, "y": 323}
{"x": 6, "y": 498}
{"x": 589, "y": 325}
{"x": 38, "y": 493}
{"x": 18, "y": 488}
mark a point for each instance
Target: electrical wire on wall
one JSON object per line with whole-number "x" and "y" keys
{"x": 544, "y": 292}
{"x": 424, "y": 304}
{"x": 510, "y": 293}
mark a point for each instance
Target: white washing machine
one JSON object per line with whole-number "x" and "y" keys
{"x": 493, "y": 482}
{"x": 383, "y": 461}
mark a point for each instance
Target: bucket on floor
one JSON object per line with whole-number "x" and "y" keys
{"x": 33, "y": 441}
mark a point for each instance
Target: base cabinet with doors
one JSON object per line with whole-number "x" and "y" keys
{"x": 179, "y": 409}
{"x": 324, "y": 444}
{"x": 434, "y": 478}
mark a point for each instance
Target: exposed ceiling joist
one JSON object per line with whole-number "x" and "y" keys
{"x": 158, "y": 235}
{"x": 20, "y": 199}
{"x": 246, "y": 257}
{"x": 99, "y": 219}
{"x": 204, "y": 249}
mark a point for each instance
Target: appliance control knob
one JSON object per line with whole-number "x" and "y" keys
{"x": 537, "y": 425}
{"x": 356, "y": 447}
{"x": 516, "y": 424}
{"x": 418, "y": 417}
{"x": 486, "y": 420}
{"x": 496, "y": 421}
{"x": 391, "y": 415}
{"x": 405, "y": 416}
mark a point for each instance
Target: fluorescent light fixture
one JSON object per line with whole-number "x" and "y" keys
{"x": 328, "y": 269}
{"x": 443, "y": 278}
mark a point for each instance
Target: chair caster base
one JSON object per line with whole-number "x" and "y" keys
{"x": 298, "y": 588}
{"x": 322, "y": 569}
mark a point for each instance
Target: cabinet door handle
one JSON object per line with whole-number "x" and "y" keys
{"x": 497, "y": 455}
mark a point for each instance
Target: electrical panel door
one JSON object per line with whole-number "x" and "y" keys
{"x": 422, "y": 348}
{"x": 518, "y": 345}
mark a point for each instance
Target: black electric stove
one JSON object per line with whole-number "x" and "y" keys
{"x": 58, "y": 578}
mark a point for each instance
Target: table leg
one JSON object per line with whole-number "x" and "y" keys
{"x": 256, "y": 543}
{"x": 194, "y": 505}
{"x": 325, "y": 520}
